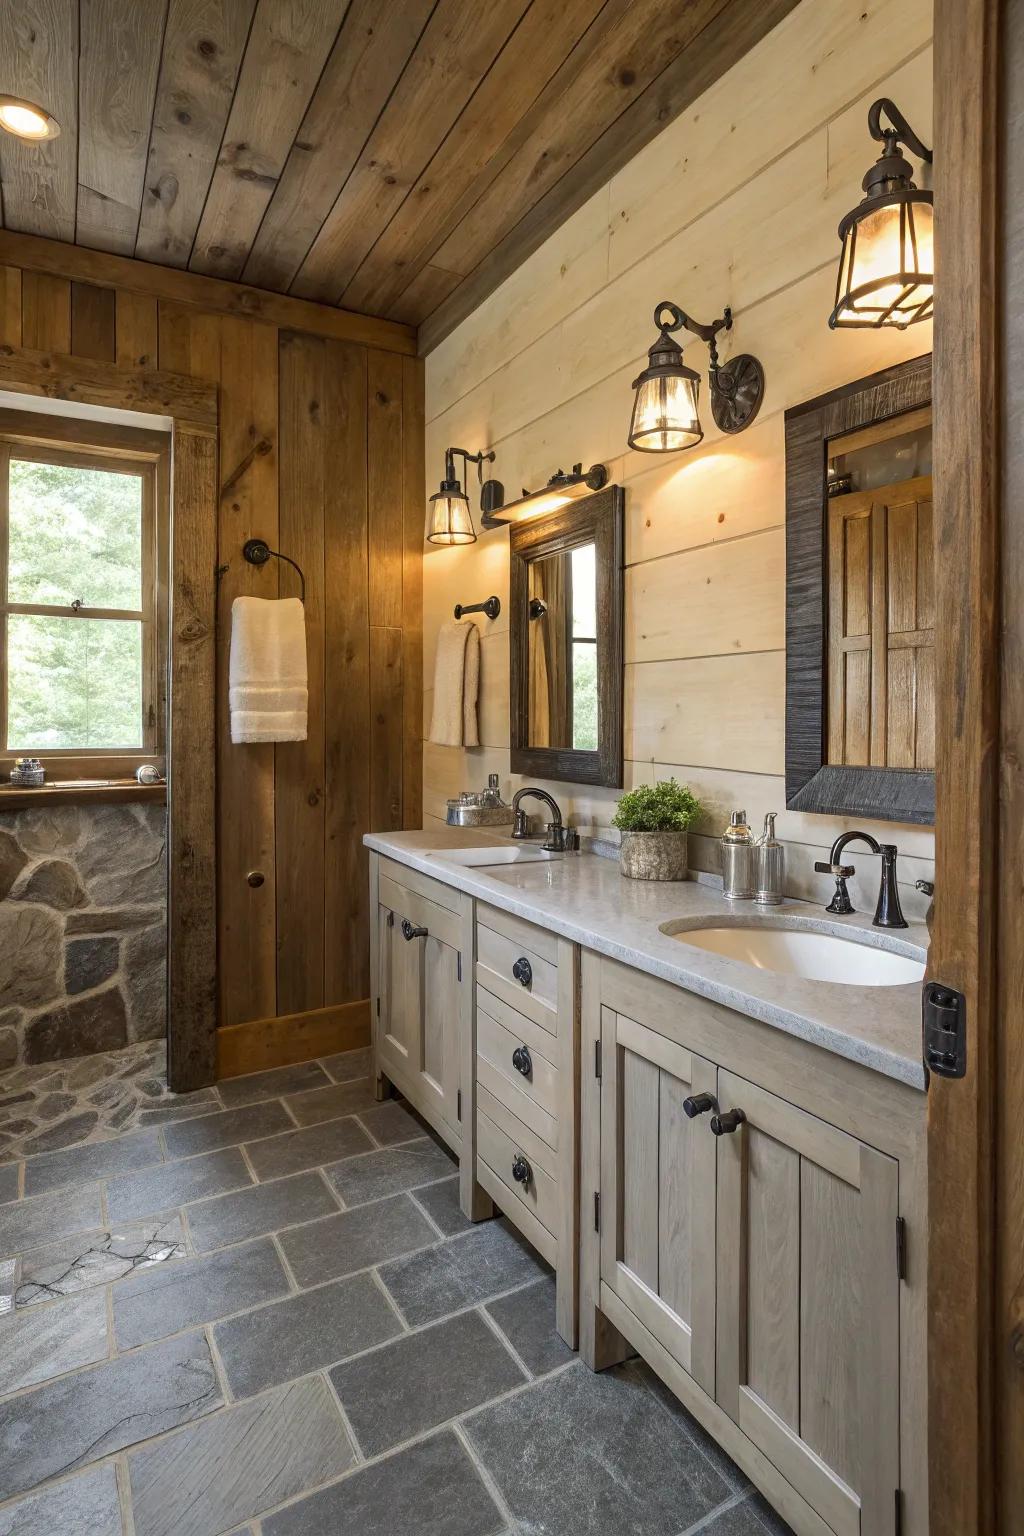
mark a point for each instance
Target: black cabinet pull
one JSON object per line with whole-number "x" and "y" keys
{"x": 523, "y": 971}
{"x": 409, "y": 932}
{"x": 724, "y": 1125}
{"x": 522, "y": 1060}
{"x": 521, "y": 1170}
{"x": 699, "y": 1104}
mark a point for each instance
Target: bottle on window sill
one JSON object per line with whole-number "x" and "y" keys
{"x": 28, "y": 773}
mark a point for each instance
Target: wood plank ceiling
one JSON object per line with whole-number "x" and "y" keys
{"x": 394, "y": 157}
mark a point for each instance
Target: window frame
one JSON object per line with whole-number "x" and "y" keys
{"x": 92, "y": 445}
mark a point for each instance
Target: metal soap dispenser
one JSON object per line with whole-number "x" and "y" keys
{"x": 738, "y": 873}
{"x": 770, "y": 859}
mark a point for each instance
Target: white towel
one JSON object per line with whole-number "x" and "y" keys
{"x": 267, "y": 682}
{"x": 456, "y": 685}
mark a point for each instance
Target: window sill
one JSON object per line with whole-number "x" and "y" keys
{"x": 13, "y": 797}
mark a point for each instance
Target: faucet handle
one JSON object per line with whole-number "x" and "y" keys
{"x": 555, "y": 842}
{"x": 841, "y": 871}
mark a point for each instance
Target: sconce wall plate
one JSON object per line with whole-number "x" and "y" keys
{"x": 737, "y": 392}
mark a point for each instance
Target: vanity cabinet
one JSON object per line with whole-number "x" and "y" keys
{"x": 422, "y": 927}
{"x": 761, "y": 1271}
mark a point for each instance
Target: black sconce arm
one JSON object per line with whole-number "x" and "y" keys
{"x": 479, "y": 459}
{"x": 900, "y": 129}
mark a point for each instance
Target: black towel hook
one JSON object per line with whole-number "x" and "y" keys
{"x": 258, "y": 552}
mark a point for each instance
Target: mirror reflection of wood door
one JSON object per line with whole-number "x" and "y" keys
{"x": 881, "y": 602}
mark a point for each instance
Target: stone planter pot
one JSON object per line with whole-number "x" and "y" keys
{"x": 653, "y": 855}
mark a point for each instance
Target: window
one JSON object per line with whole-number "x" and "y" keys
{"x": 80, "y": 674}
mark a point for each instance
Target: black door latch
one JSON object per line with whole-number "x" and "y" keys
{"x": 945, "y": 1030}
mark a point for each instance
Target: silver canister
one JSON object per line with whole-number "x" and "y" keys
{"x": 770, "y": 858}
{"x": 739, "y": 877}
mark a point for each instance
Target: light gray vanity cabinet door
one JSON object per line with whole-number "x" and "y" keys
{"x": 658, "y": 1190}
{"x": 808, "y": 1305}
{"x": 420, "y": 996}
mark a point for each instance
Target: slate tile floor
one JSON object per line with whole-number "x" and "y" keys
{"x": 262, "y": 1313}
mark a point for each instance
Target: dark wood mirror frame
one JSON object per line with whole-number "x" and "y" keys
{"x": 812, "y": 784}
{"x": 599, "y": 520}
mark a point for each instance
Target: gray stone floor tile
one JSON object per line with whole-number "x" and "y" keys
{"x": 738, "y": 1520}
{"x": 580, "y": 1454}
{"x": 391, "y": 1123}
{"x": 260, "y": 1209}
{"x": 768, "y": 1519}
{"x": 339, "y": 1245}
{"x": 719, "y": 1459}
{"x": 441, "y": 1202}
{"x": 331, "y": 1102}
{"x": 422, "y": 1380}
{"x": 312, "y": 1148}
{"x": 29, "y": 1223}
{"x": 97, "y": 1258}
{"x": 8, "y": 1182}
{"x": 228, "y": 1129}
{"x": 151, "y": 1306}
{"x": 98, "y": 1160}
{"x": 238, "y": 1463}
{"x": 388, "y": 1172}
{"x": 259, "y": 1086}
{"x": 286, "y": 1339}
{"x": 347, "y": 1065}
{"x": 429, "y": 1489}
{"x": 65, "y": 1424}
{"x": 460, "y": 1272}
{"x": 167, "y": 1114}
{"x": 527, "y": 1319}
{"x": 173, "y": 1184}
{"x": 86, "y": 1505}
{"x": 47, "y": 1341}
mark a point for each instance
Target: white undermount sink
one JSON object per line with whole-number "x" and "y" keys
{"x": 799, "y": 952}
{"x": 473, "y": 858}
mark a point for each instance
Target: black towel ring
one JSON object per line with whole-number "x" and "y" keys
{"x": 258, "y": 552}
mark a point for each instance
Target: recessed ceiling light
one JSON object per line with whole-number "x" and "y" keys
{"x": 27, "y": 121}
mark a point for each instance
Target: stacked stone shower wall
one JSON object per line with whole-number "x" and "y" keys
{"x": 83, "y": 930}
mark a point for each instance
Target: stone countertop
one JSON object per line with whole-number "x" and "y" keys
{"x": 584, "y": 898}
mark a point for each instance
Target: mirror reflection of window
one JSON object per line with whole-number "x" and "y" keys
{"x": 562, "y": 592}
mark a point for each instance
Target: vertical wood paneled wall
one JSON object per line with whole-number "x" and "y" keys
{"x": 737, "y": 202}
{"x": 321, "y": 454}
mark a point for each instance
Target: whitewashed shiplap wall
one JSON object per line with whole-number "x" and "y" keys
{"x": 736, "y": 202}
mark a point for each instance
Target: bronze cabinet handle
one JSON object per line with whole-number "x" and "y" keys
{"x": 521, "y": 1170}
{"x": 523, "y": 971}
{"x": 724, "y": 1125}
{"x": 522, "y": 1060}
{"x": 409, "y": 932}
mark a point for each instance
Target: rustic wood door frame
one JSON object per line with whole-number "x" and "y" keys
{"x": 191, "y": 825}
{"x": 975, "y": 1177}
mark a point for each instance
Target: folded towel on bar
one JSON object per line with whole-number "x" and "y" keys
{"x": 456, "y": 685}
{"x": 267, "y": 681}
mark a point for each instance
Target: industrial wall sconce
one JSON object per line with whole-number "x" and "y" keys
{"x": 449, "y": 520}
{"x": 559, "y": 491}
{"x": 665, "y": 417}
{"x": 886, "y": 269}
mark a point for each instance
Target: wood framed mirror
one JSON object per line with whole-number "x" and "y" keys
{"x": 566, "y": 642}
{"x": 860, "y": 595}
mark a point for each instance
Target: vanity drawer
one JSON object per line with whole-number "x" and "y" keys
{"x": 518, "y": 972}
{"x": 500, "y": 1032}
{"x": 420, "y": 909}
{"x": 499, "y": 1146}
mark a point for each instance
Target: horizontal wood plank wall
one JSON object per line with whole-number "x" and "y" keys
{"x": 321, "y": 454}
{"x": 736, "y": 202}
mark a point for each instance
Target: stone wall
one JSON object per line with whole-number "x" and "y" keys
{"x": 83, "y": 931}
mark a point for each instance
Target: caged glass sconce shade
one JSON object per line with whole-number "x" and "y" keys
{"x": 665, "y": 415}
{"x": 449, "y": 520}
{"x": 887, "y": 265}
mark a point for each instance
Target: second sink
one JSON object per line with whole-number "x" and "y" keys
{"x": 472, "y": 858}
{"x": 799, "y": 952}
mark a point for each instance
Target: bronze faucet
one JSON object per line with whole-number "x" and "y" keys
{"x": 555, "y": 830}
{"x": 888, "y": 913}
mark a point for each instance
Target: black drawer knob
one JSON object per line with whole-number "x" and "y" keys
{"x": 409, "y": 932}
{"x": 523, "y": 971}
{"x": 522, "y": 1060}
{"x": 521, "y": 1170}
{"x": 698, "y": 1104}
{"x": 724, "y": 1125}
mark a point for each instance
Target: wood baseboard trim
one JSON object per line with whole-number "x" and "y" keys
{"x": 293, "y": 1037}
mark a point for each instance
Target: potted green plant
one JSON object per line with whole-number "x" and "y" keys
{"x": 653, "y": 820}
